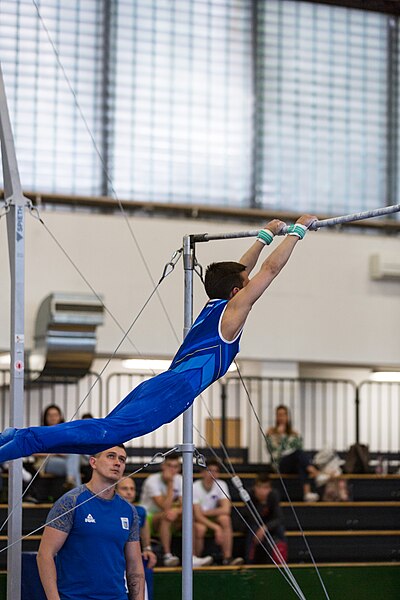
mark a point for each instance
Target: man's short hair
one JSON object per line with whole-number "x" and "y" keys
{"x": 262, "y": 478}
{"x": 221, "y": 278}
{"x": 116, "y": 446}
{"x": 173, "y": 456}
{"x": 125, "y": 478}
{"x": 214, "y": 463}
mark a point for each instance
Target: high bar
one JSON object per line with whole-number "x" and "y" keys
{"x": 368, "y": 214}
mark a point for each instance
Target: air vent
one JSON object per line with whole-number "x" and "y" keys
{"x": 384, "y": 268}
{"x": 65, "y": 335}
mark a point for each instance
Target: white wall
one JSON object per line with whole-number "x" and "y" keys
{"x": 323, "y": 308}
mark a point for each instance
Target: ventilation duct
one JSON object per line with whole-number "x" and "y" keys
{"x": 65, "y": 335}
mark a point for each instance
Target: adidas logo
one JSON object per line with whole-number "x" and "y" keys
{"x": 90, "y": 519}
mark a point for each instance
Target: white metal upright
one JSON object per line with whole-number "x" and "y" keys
{"x": 15, "y": 203}
{"x": 187, "y": 446}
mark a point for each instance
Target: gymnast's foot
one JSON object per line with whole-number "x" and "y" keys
{"x": 7, "y": 435}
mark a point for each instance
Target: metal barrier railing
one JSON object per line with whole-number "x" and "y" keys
{"x": 120, "y": 384}
{"x": 379, "y": 421}
{"x": 327, "y": 413}
{"x": 66, "y": 394}
{"x": 322, "y": 411}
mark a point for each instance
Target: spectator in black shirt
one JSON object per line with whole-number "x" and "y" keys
{"x": 266, "y": 501}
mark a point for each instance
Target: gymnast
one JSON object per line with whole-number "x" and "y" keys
{"x": 204, "y": 356}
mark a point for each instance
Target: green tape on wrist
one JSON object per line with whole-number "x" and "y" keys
{"x": 265, "y": 236}
{"x": 297, "y": 229}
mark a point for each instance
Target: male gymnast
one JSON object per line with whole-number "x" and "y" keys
{"x": 204, "y": 356}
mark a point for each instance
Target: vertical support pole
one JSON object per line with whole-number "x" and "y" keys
{"x": 16, "y": 234}
{"x": 223, "y": 414}
{"x": 392, "y": 109}
{"x": 16, "y": 242}
{"x": 357, "y": 415}
{"x": 187, "y": 447}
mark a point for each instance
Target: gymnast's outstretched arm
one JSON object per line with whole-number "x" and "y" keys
{"x": 242, "y": 300}
{"x": 250, "y": 257}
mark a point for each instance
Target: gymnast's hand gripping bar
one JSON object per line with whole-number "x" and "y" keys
{"x": 369, "y": 214}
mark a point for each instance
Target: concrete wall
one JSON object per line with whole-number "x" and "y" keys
{"x": 323, "y": 308}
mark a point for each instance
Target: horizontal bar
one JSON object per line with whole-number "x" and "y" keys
{"x": 369, "y": 214}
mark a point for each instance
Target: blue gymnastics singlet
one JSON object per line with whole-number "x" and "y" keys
{"x": 204, "y": 354}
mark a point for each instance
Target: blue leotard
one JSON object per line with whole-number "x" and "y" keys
{"x": 203, "y": 358}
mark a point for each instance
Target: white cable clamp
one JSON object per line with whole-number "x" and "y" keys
{"x": 237, "y": 482}
{"x": 244, "y": 495}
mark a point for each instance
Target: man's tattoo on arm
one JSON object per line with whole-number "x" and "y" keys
{"x": 135, "y": 583}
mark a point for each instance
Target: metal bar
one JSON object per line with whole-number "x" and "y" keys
{"x": 223, "y": 397}
{"x": 258, "y": 105}
{"x": 16, "y": 243}
{"x": 187, "y": 446}
{"x": 368, "y": 214}
{"x": 357, "y": 414}
{"x": 106, "y": 121}
{"x": 198, "y": 211}
{"x": 392, "y": 101}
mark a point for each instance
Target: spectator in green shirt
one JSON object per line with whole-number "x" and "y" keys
{"x": 285, "y": 446}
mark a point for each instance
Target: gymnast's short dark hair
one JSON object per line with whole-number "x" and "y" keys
{"x": 221, "y": 278}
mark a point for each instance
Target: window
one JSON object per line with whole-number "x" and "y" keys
{"x": 183, "y": 101}
{"x": 54, "y": 150}
{"x": 321, "y": 75}
{"x": 278, "y": 104}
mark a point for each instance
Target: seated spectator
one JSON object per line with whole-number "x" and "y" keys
{"x": 286, "y": 448}
{"x": 127, "y": 489}
{"x": 162, "y": 498}
{"x": 266, "y": 502}
{"x": 212, "y": 512}
{"x": 60, "y": 465}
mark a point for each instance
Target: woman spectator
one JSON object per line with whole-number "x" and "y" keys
{"x": 285, "y": 446}
{"x": 60, "y": 465}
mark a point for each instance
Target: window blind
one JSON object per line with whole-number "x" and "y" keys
{"x": 54, "y": 150}
{"x": 321, "y": 77}
{"x": 183, "y": 101}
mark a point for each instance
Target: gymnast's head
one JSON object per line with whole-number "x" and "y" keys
{"x": 224, "y": 279}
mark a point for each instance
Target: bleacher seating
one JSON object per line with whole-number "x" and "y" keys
{"x": 367, "y": 529}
